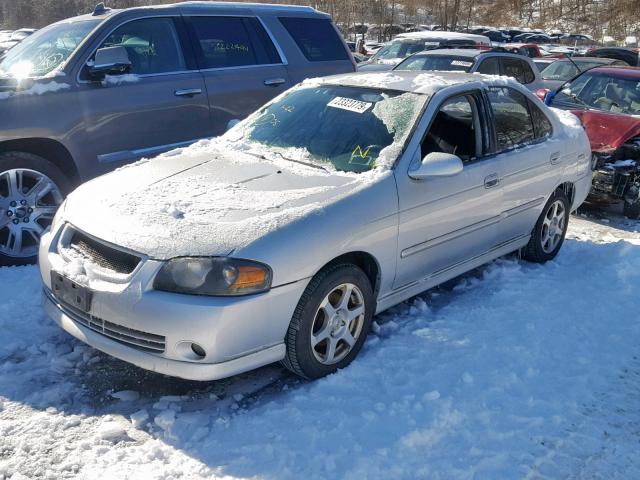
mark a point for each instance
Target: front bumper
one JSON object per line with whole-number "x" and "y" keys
{"x": 237, "y": 333}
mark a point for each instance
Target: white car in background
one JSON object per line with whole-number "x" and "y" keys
{"x": 407, "y": 44}
{"x": 280, "y": 241}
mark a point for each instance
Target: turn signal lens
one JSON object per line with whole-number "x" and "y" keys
{"x": 213, "y": 276}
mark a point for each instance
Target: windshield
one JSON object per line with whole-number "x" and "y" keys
{"x": 45, "y": 50}
{"x": 399, "y": 49}
{"x": 602, "y": 92}
{"x": 433, "y": 62}
{"x": 352, "y": 129}
{"x": 566, "y": 70}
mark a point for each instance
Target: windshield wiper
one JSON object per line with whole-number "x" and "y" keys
{"x": 308, "y": 164}
{"x": 575, "y": 97}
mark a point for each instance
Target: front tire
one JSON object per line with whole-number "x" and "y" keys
{"x": 31, "y": 190}
{"x": 548, "y": 234}
{"x": 330, "y": 322}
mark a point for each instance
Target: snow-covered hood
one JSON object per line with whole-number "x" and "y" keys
{"x": 204, "y": 202}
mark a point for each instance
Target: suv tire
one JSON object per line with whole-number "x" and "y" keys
{"x": 31, "y": 190}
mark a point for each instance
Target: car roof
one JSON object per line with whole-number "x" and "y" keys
{"x": 621, "y": 71}
{"x": 411, "y": 81}
{"x": 205, "y": 7}
{"x": 603, "y": 60}
{"x": 427, "y": 34}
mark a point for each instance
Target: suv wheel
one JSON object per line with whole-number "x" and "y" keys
{"x": 31, "y": 189}
{"x": 330, "y": 323}
{"x": 548, "y": 234}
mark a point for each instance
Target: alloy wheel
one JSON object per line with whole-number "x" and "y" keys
{"x": 28, "y": 202}
{"x": 553, "y": 226}
{"x": 337, "y": 324}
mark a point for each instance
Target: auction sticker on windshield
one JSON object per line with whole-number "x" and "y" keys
{"x": 350, "y": 104}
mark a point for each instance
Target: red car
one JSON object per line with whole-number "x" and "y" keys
{"x": 607, "y": 101}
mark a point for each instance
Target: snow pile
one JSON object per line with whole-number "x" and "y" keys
{"x": 519, "y": 371}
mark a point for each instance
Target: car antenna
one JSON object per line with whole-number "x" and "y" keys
{"x": 574, "y": 63}
{"x": 100, "y": 9}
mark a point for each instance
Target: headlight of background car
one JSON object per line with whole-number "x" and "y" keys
{"x": 215, "y": 276}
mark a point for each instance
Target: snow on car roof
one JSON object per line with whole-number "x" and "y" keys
{"x": 410, "y": 81}
{"x": 446, "y": 35}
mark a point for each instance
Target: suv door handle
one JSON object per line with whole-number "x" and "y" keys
{"x": 555, "y": 158}
{"x": 274, "y": 82}
{"x": 187, "y": 92}
{"x": 491, "y": 180}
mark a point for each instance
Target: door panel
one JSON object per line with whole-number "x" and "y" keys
{"x": 528, "y": 166}
{"x": 235, "y": 93}
{"x": 119, "y": 119}
{"x": 240, "y": 64}
{"x": 444, "y": 221}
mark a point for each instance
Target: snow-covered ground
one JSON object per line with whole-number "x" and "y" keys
{"x": 514, "y": 371}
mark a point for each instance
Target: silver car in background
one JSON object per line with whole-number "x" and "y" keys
{"x": 281, "y": 240}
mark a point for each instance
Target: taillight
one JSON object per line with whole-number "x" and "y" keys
{"x": 541, "y": 93}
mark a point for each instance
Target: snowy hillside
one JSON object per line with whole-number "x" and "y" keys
{"x": 516, "y": 371}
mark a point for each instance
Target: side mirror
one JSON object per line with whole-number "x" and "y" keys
{"x": 437, "y": 164}
{"x": 110, "y": 61}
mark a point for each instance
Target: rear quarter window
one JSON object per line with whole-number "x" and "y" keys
{"x": 316, "y": 37}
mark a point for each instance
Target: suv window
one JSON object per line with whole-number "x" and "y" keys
{"x": 490, "y": 66}
{"x": 454, "y": 129}
{"x": 518, "y": 69}
{"x": 233, "y": 42}
{"x": 316, "y": 37}
{"x": 513, "y": 122}
{"x": 541, "y": 124}
{"x": 152, "y": 45}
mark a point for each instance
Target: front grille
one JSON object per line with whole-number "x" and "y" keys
{"x": 147, "y": 342}
{"x": 103, "y": 255}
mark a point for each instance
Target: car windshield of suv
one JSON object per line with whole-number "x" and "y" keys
{"x": 45, "y": 50}
{"x": 352, "y": 129}
{"x": 602, "y": 92}
{"x": 562, "y": 70}
{"x": 439, "y": 62}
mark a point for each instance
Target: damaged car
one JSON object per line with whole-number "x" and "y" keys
{"x": 280, "y": 240}
{"x": 607, "y": 101}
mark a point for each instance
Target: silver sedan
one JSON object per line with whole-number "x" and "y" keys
{"x": 280, "y": 240}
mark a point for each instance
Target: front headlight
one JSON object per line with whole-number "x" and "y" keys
{"x": 215, "y": 276}
{"x": 58, "y": 217}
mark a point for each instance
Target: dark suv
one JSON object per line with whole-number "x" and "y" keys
{"x": 88, "y": 94}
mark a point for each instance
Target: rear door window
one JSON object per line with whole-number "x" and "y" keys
{"x": 232, "y": 42}
{"x": 316, "y": 38}
{"x": 518, "y": 69}
{"x": 541, "y": 124}
{"x": 490, "y": 66}
{"x": 513, "y": 122}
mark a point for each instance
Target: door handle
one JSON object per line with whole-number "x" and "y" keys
{"x": 274, "y": 82}
{"x": 491, "y": 180}
{"x": 554, "y": 158}
{"x": 187, "y": 92}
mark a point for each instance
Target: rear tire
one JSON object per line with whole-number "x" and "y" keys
{"x": 330, "y": 322}
{"x": 31, "y": 190}
{"x": 548, "y": 234}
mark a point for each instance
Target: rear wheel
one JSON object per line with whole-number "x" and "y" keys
{"x": 548, "y": 234}
{"x": 31, "y": 190}
{"x": 330, "y": 323}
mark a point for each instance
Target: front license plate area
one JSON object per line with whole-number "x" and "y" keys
{"x": 70, "y": 292}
